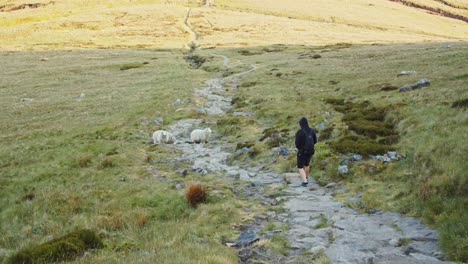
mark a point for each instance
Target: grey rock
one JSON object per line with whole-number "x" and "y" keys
{"x": 331, "y": 185}
{"x": 247, "y": 238}
{"x": 405, "y": 88}
{"x": 344, "y": 162}
{"x": 244, "y": 254}
{"x": 394, "y": 242}
{"x": 343, "y": 169}
{"x": 199, "y": 170}
{"x": 276, "y": 149}
{"x": 356, "y": 157}
{"x": 372, "y": 211}
{"x": 283, "y": 152}
{"x": 447, "y": 46}
{"x": 314, "y": 186}
{"x": 176, "y": 103}
{"x": 406, "y": 73}
{"x": 353, "y": 199}
{"x": 201, "y": 111}
{"x": 271, "y": 214}
{"x": 421, "y": 83}
{"x": 272, "y": 233}
{"x": 383, "y": 158}
{"x": 247, "y": 114}
{"x": 393, "y": 155}
{"x": 321, "y": 126}
{"x": 184, "y": 172}
{"x": 26, "y": 100}
{"x": 158, "y": 121}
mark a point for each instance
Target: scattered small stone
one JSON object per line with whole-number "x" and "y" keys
{"x": 245, "y": 150}
{"x": 343, "y": 169}
{"x": 353, "y": 199}
{"x": 321, "y": 126}
{"x": 248, "y": 114}
{"x": 179, "y": 186}
{"x": 245, "y": 254}
{"x": 200, "y": 170}
{"x": 356, "y": 157}
{"x": 408, "y": 250}
{"x": 176, "y": 103}
{"x": 314, "y": 186}
{"x": 383, "y": 158}
{"x": 271, "y": 214}
{"x": 394, "y": 242}
{"x": 344, "y": 162}
{"x": 372, "y": 211}
{"x": 419, "y": 84}
{"x": 272, "y": 233}
{"x": 184, "y": 172}
{"x": 447, "y": 46}
{"x": 158, "y": 121}
{"x": 393, "y": 155}
{"x": 201, "y": 111}
{"x": 283, "y": 152}
{"x": 246, "y": 238}
{"x": 81, "y": 96}
{"x": 402, "y": 73}
{"x": 405, "y": 88}
{"x": 331, "y": 185}
{"x": 26, "y": 100}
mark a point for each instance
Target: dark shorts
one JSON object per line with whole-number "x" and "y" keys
{"x": 303, "y": 160}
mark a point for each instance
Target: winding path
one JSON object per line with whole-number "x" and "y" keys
{"x": 316, "y": 222}
{"x": 193, "y": 35}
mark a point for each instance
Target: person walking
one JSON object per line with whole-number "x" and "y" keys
{"x": 305, "y": 141}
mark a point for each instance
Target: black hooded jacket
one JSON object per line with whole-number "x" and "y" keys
{"x": 301, "y": 133}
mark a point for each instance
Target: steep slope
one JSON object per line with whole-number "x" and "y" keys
{"x": 46, "y": 25}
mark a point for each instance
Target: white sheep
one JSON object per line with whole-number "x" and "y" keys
{"x": 200, "y": 135}
{"x": 162, "y": 136}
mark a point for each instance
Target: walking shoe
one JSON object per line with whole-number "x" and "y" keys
{"x": 304, "y": 184}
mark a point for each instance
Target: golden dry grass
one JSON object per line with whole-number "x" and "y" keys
{"x": 159, "y": 24}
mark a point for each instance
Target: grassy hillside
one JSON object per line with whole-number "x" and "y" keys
{"x": 70, "y": 24}
{"x": 71, "y": 161}
{"x": 82, "y": 82}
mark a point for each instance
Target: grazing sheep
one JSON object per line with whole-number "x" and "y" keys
{"x": 200, "y": 135}
{"x": 162, "y": 136}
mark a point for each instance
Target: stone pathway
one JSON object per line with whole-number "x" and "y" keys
{"x": 316, "y": 222}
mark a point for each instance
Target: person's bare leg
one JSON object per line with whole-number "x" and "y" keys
{"x": 303, "y": 174}
{"x": 307, "y": 171}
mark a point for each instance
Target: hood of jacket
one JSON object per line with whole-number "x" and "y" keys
{"x": 303, "y": 122}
